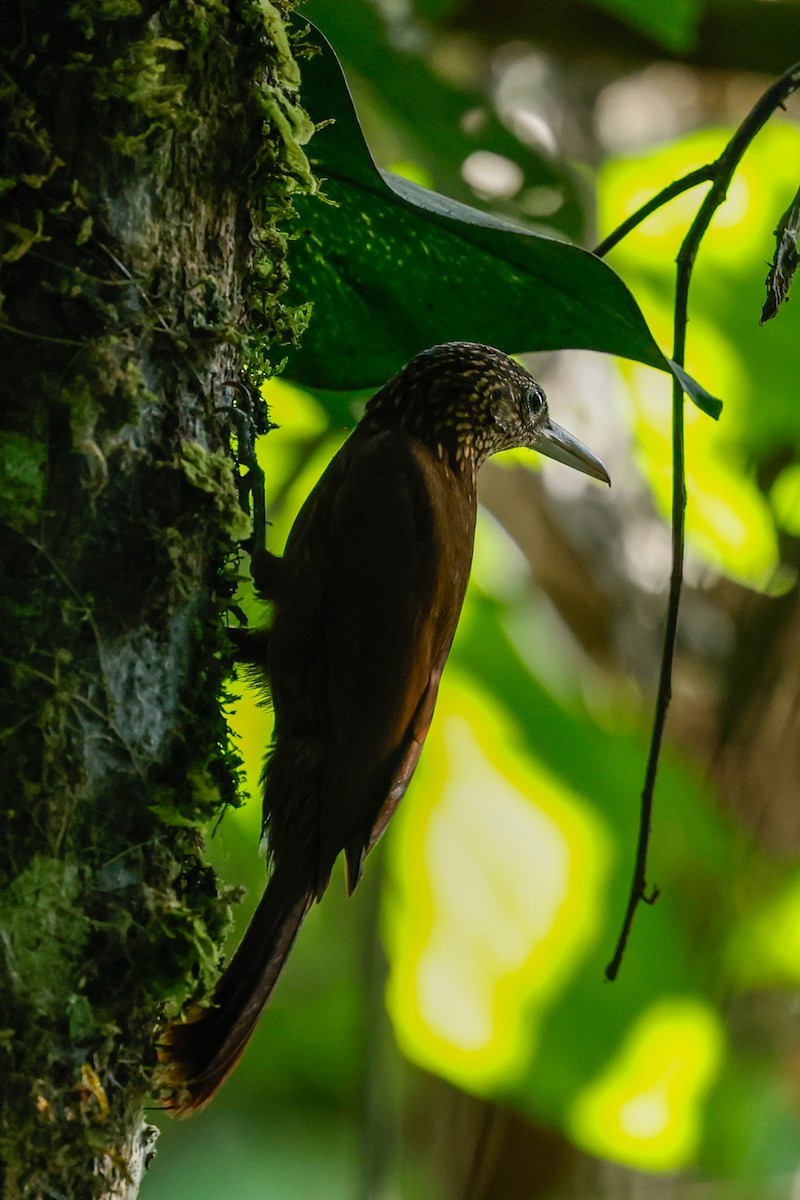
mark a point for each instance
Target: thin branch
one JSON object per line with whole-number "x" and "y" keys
{"x": 674, "y": 189}
{"x": 723, "y": 170}
{"x": 39, "y": 337}
{"x": 485, "y": 1152}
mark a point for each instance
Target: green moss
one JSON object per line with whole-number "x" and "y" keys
{"x": 282, "y": 109}
{"x": 22, "y": 480}
{"x": 212, "y": 471}
{"x": 42, "y": 917}
{"x": 23, "y": 239}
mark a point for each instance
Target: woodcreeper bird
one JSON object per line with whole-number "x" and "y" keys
{"x": 366, "y": 601}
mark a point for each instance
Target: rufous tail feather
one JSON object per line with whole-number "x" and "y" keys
{"x": 200, "y": 1054}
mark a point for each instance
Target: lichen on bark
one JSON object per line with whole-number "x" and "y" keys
{"x": 151, "y": 152}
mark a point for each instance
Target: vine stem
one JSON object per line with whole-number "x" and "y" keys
{"x": 719, "y": 173}
{"x": 670, "y": 192}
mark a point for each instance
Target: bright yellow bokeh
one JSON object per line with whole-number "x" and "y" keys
{"x": 785, "y": 498}
{"x": 766, "y": 174}
{"x": 645, "y": 1109}
{"x": 729, "y": 523}
{"x": 765, "y": 950}
{"x": 498, "y": 876}
{"x": 250, "y": 721}
{"x": 294, "y": 455}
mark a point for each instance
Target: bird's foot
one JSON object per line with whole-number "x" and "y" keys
{"x": 247, "y": 418}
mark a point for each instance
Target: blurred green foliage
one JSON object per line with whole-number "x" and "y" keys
{"x": 672, "y": 23}
{"x": 388, "y": 67}
{"x": 499, "y": 889}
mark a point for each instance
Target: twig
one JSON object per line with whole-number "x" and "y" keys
{"x": 674, "y": 189}
{"x": 485, "y": 1152}
{"x": 720, "y": 174}
{"x": 38, "y": 337}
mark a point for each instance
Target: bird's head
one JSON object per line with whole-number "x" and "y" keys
{"x": 469, "y": 401}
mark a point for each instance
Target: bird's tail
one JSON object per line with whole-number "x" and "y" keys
{"x": 199, "y": 1055}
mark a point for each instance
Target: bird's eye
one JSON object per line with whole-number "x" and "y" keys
{"x": 534, "y": 402}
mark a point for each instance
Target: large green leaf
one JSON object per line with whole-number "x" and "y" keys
{"x": 392, "y": 268}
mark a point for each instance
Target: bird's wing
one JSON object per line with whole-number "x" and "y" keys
{"x": 395, "y": 570}
{"x": 401, "y": 777}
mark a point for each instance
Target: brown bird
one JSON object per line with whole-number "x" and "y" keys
{"x": 366, "y": 602}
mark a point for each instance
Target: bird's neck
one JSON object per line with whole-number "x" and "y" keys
{"x": 448, "y": 441}
{"x": 456, "y": 455}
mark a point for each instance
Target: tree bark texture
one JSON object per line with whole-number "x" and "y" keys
{"x": 149, "y": 151}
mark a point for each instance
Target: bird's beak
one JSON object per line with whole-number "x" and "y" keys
{"x": 554, "y": 442}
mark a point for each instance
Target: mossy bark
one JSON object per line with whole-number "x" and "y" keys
{"x": 151, "y": 149}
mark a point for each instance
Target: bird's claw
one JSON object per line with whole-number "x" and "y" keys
{"x": 247, "y": 418}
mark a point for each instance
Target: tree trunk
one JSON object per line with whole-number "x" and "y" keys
{"x": 150, "y": 150}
